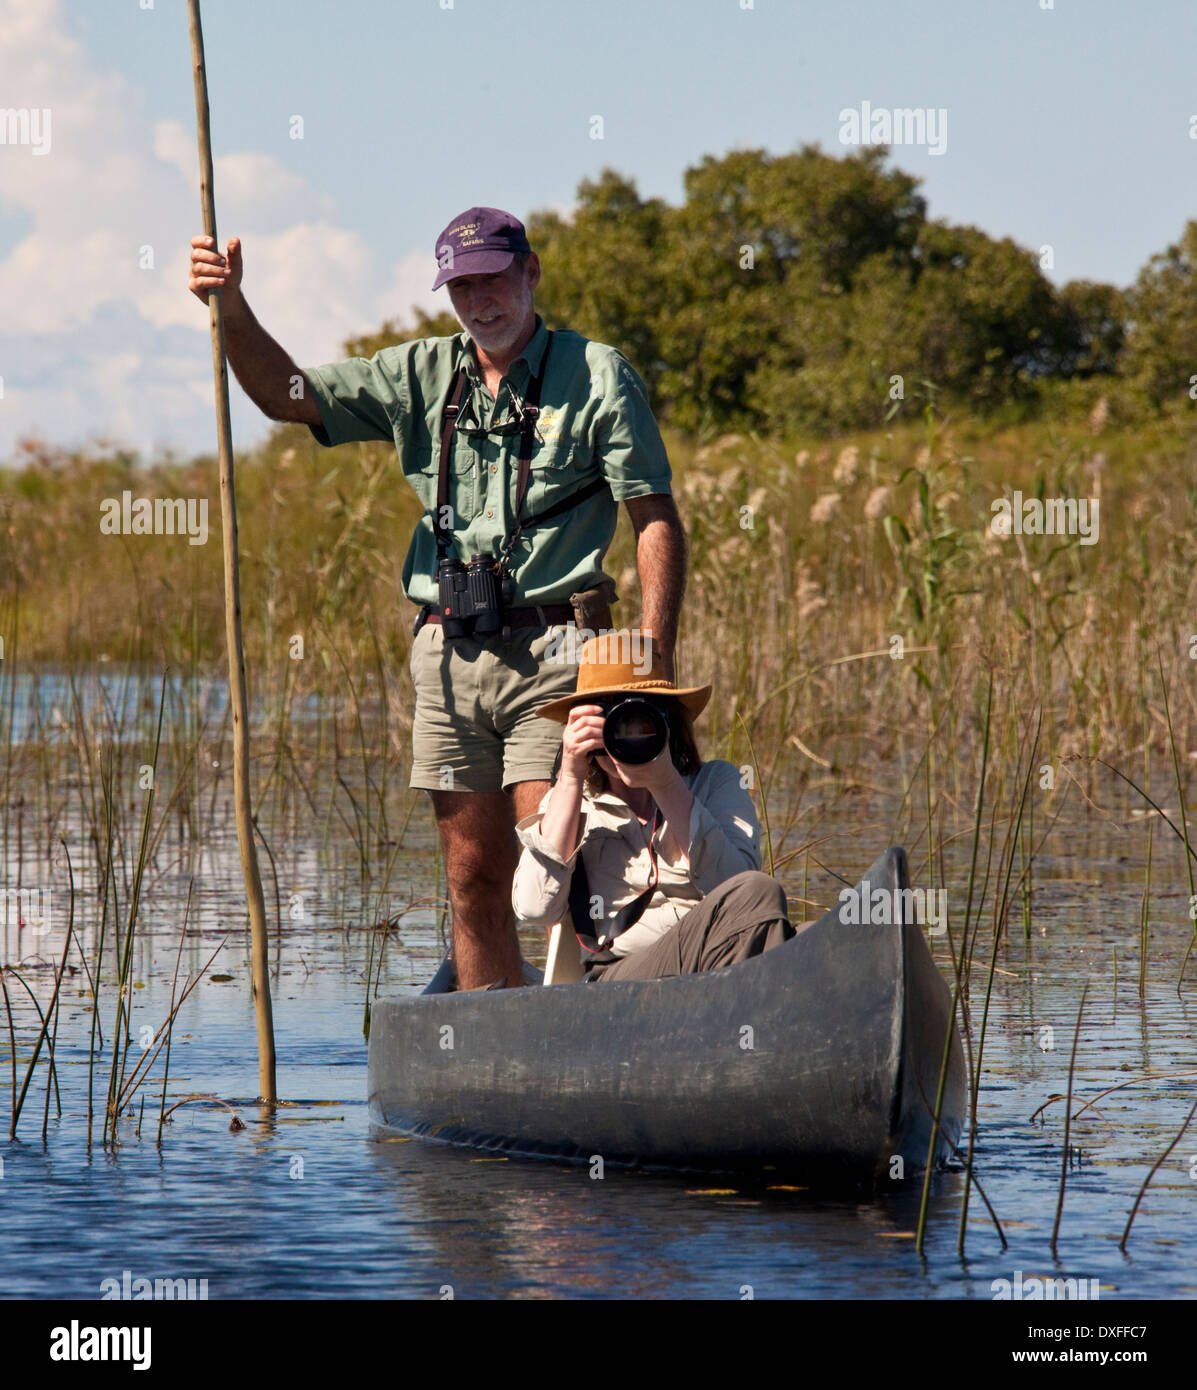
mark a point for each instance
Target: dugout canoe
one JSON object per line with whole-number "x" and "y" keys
{"x": 820, "y": 1058}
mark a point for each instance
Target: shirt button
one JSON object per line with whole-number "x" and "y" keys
{"x": 489, "y": 512}
{"x": 494, "y": 468}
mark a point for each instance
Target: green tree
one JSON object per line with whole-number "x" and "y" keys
{"x": 426, "y": 325}
{"x": 602, "y": 272}
{"x": 987, "y": 321}
{"x": 761, "y": 251}
{"x": 1098, "y": 313}
{"x": 789, "y": 291}
{"x": 1161, "y": 348}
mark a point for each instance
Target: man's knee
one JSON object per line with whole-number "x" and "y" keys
{"x": 482, "y": 871}
{"x": 477, "y": 834}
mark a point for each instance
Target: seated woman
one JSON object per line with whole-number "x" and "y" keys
{"x": 658, "y": 861}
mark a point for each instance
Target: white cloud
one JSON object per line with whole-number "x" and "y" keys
{"x": 411, "y": 284}
{"x": 314, "y": 279}
{"x": 94, "y": 345}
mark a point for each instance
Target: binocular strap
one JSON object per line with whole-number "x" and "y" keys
{"x": 529, "y": 413}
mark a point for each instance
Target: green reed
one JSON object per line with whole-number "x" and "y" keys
{"x": 1076, "y": 1037}
{"x": 1155, "y": 1167}
{"x": 794, "y": 635}
{"x": 1184, "y": 823}
{"x": 50, "y": 1014}
{"x": 999, "y": 921}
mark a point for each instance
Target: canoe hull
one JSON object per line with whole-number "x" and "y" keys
{"x": 819, "y": 1058}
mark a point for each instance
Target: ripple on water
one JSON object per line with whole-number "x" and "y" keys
{"x": 317, "y": 1204}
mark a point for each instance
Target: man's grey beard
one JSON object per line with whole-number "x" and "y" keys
{"x": 514, "y": 330}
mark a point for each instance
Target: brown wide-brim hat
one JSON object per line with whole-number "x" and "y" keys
{"x": 613, "y": 664}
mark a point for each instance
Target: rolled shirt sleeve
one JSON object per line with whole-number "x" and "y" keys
{"x": 362, "y": 399}
{"x": 540, "y": 888}
{"x": 724, "y": 830}
{"x": 629, "y": 444}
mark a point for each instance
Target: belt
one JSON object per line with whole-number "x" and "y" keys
{"x": 547, "y": 615}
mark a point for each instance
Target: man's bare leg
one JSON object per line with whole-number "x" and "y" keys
{"x": 478, "y": 839}
{"x": 477, "y": 831}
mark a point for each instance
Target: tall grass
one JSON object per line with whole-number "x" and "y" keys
{"x": 873, "y": 644}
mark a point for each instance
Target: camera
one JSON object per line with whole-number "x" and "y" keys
{"x": 470, "y": 597}
{"x": 635, "y": 730}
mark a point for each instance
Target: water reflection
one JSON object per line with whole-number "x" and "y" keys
{"x": 310, "y": 1202}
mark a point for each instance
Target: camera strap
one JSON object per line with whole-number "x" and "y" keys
{"x": 596, "y": 943}
{"x": 528, "y": 417}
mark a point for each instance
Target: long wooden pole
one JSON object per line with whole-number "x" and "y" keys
{"x": 232, "y": 596}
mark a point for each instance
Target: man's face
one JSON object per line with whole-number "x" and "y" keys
{"x": 495, "y": 309}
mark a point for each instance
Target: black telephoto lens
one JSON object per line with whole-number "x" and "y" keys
{"x": 635, "y": 731}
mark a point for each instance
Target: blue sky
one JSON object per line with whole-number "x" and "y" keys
{"x": 1067, "y": 126}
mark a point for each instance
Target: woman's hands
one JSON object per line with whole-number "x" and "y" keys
{"x": 652, "y": 777}
{"x": 583, "y": 735}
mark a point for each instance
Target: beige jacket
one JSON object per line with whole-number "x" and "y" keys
{"x": 722, "y": 840}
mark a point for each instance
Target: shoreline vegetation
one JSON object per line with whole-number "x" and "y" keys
{"x": 838, "y": 590}
{"x": 851, "y": 600}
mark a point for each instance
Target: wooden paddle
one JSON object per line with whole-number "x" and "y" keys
{"x": 238, "y": 699}
{"x": 564, "y": 965}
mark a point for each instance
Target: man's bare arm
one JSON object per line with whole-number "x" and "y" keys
{"x": 661, "y": 564}
{"x": 267, "y": 374}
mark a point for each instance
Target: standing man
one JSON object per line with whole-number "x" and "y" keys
{"x": 520, "y": 443}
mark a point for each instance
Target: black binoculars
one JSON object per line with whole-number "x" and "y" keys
{"x": 470, "y": 596}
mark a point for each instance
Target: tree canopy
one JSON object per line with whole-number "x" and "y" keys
{"x": 809, "y": 291}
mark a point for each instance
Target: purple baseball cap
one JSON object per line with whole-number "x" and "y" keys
{"x": 481, "y": 241}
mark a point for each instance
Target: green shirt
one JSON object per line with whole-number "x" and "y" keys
{"x": 594, "y": 421}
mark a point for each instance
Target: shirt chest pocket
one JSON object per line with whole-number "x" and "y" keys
{"x": 556, "y": 471}
{"x": 423, "y": 472}
{"x": 607, "y": 853}
{"x": 628, "y": 856}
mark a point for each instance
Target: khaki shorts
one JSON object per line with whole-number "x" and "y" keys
{"x": 475, "y": 727}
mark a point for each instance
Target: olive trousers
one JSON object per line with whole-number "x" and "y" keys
{"x": 741, "y": 918}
